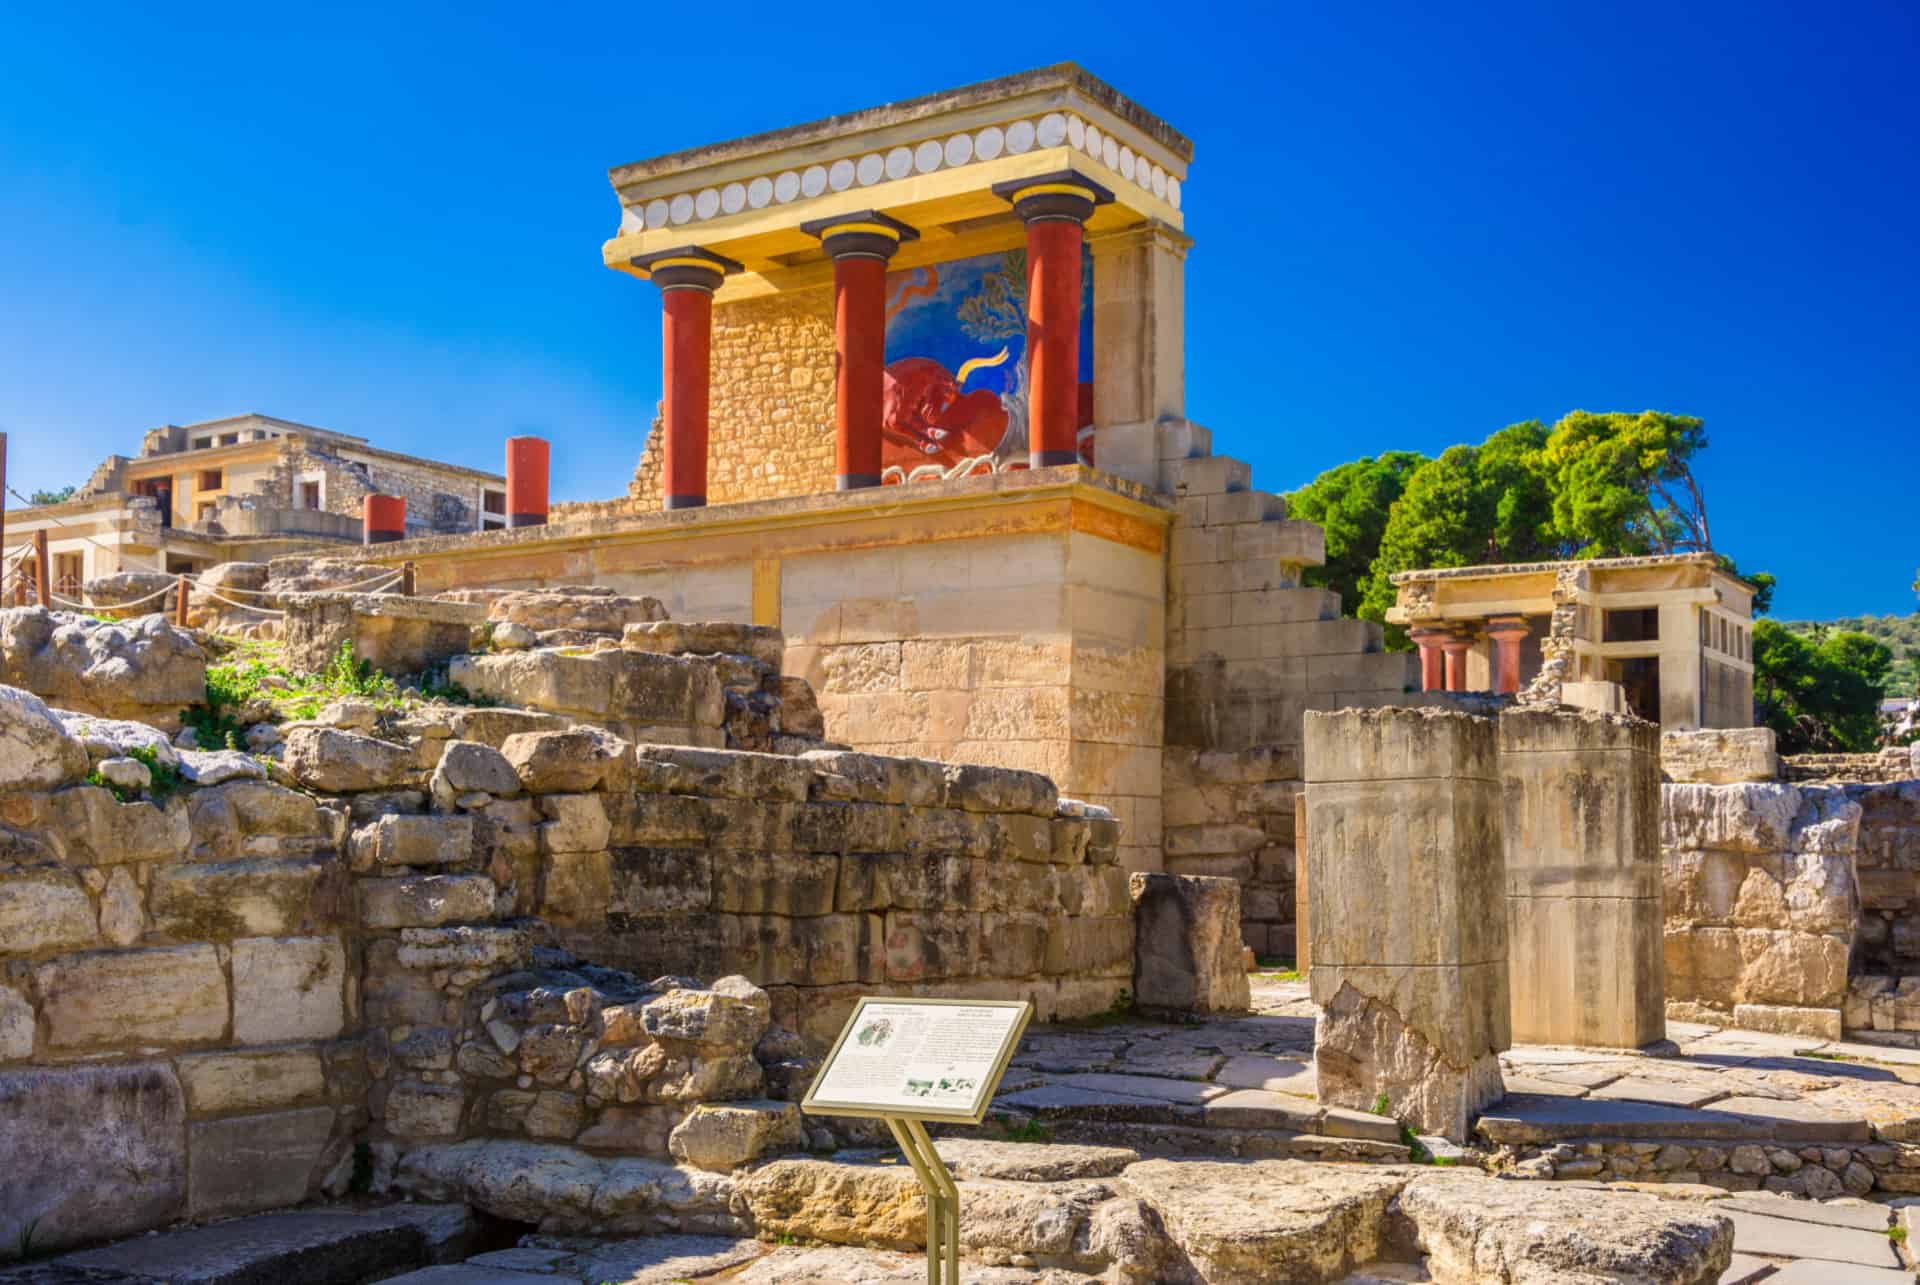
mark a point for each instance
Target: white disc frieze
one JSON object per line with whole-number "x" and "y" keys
{"x": 680, "y": 210}
{"x": 759, "y": 192}
{"x": 990, "y": 142}
{"x": 959, "y": 149}
{"x": 707, "y": 203}
{"x": 927, "y": 156}
{"x": 900, "y": 162}
{"x": 657, "y": 213}
{"x": 871, "y": 169}
{"x": 814, "y": 181}
{"x": 786, "y": 186}
{"x": 733, "y": 198}
{"x": 1020, "y": 137}
{"x": 1052, "y": 130}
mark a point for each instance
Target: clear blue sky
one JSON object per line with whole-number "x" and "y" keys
{"x": 1415, "y": 224}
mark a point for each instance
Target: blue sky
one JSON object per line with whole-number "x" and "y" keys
{"x": 1414, "y": 224}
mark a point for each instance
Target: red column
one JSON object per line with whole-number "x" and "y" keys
{"x": 1055, "y": 207}
{"x": 527, "y": 470}
{"x": 1432, "y": 678}
{"x": 687, "y": 278}
{"x": 1053, "y": 341}
{"x": 686, "y": 367}
{"x": 860, "y": 245}
{"x": 383, "y": 519}
{"x": 1456, "y": 649}
{"x": 1506, "y": 633}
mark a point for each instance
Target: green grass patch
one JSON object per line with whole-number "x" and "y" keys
{"x": 253, "y": 671}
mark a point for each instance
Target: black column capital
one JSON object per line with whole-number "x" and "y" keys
{"x": 863, "y": 234}
{"x": 686, "y": 267}
{"x": 1064, "y": 194}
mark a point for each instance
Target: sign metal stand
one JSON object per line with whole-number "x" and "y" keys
{"x": 908, "y": 1061}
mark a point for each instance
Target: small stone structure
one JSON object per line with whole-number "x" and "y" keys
{"x": 1189, "y": 959}
{"x": 1409, "y": 948}
{"x": 394, "y": 634}
{"x": 1582, "y": 836}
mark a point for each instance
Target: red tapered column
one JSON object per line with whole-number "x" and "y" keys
{"x": 1054, "y": 207}
{"x": 528, "y": 459}
{"x": 687, "y": 278}
{"x": 1506, "y": 632}
{"x": 1432, "y": 669}
{"x": 1456, "y": 649}
{"x": 860, "y": 245}
{"x": 383, "y": 519}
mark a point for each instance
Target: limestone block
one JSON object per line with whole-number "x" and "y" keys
{"x": 640, "y": 819}
{"x": 574, "y": 823}
{"x": 974, "y": 788}
{"x": 91, "y": 1152}
{"x": 1719, "y": 756}
{"x": 466, "y": 766}
{"x": 1756, "y": 818}
{"x": 259, "y": 808}
{"x": 762, "y": 642}
{"x": 424, "y": 901}
{"x": 923, "y": 945}
{"x": 724, "y": 773}
{"x": 649, "y": 881}
{"x": 100, "y": 831}
{"x": 331, "y": 761}
{"x": 217, "y": 1083}
{"x": 290, "y": 988}
{"x": 246, "y": 1163}
{"x": 146, "y": 669}
{"x": 43, "y": 910}
{"x": 173, "y": 995}
{"x": 571, "y": 761}
{"x": 1013, "y": 945}
{"x": 16, "y": 1026}
{"x": 416, "y": 1109}
{"x": 774, "y": 950}
{"x": 208, "y": 901}
{"x": 723, "y": 1136}
{"x": 1090, "y": 945}
{"x": 775, "y": 883}
{"x": 842, "y": 1204}
{"x": 472, "y": 946}
{"x": 36, "y": 753}
{"x": 394, "y": 634}
{"x": 588, "y": 608}
{"x": 1188, "y": 950}
{"x": 435, "y": 840}
{"x": 1799, "y": 969}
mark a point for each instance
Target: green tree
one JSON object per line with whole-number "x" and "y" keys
{"x": 1471, "y": 505}
{"x": 1351, "y": 504}
{"x": 60, "y": 496}
{"x": 1820, "y": 690}
{"x": 1623, "y": 484}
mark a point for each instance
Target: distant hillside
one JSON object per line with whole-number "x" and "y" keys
{"x": 1901, "y": 633}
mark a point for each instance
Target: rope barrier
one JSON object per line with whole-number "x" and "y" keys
{"x": 117, "y": 553}
{"x": 264, "y": 611}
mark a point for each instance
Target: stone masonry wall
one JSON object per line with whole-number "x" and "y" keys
{"x": 1762, "y": 904}
{"x": 208, "y": 998}
{"x": 771, "y": 420}
{"x": 178, "y": 994}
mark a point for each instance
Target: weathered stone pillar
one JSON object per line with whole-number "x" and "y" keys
{"x": 687, "y": 278}
{"x": 383, "y": 519}
{"x": 528, "y": 463}
{"x": 1139, "y": 345}
{"x": 1054, "y": 207}
{"x": 860, "y": 244}
{"x": 1409, "y": 948}
{"x": 1584, "y": 911}
{"x": 1506, "y": 633}
{"x": 1432, "y": 673}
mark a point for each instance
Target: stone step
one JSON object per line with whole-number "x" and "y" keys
{"x": 1521, "y": 1119}
{"x": 312, "y": 1246}
{"x": 1789, "y": 1238}
{"x": 1209, "y": 475}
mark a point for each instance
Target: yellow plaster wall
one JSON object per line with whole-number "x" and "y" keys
{"x": 771, "y": 417}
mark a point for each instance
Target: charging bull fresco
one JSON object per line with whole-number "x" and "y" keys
{"x": 956, "y": 379}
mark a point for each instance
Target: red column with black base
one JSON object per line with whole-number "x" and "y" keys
{"x": 1055, "y": 208}
{"x": 860, "y": 245}
{"x": 687, "y": 278}
{"x": 383, "y": 519}
{"x": 528, "y": 459}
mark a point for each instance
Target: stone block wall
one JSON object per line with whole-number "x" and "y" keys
{"x": 1762, "y": 904}
{"x": 141, "y": 669}
{"x": 771, "y": 421}
{"x": 394, "y": 634}
{"x": 178, "y": 999}
{"x": 1231, "y": 814}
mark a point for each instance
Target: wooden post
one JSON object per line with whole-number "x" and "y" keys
{"x": 406, "y": 580}
{"x": 1302, "y": 948}
{"x": 42, "y": 570}
{"x": 180, "y": 603}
